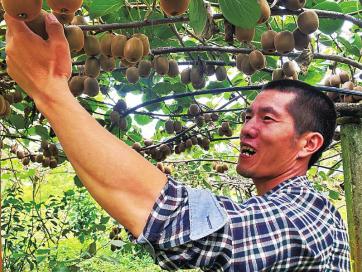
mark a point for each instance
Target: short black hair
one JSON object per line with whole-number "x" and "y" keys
{"x": 311, "y": 110}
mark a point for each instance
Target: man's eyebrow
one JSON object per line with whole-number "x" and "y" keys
{"x": 269, "y": 110}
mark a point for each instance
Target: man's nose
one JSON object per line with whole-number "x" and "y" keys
{"x": 250, "y": 129}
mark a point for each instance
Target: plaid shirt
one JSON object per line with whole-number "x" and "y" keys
{"x": 290, "y": 228}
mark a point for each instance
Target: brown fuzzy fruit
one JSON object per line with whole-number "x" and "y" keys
{"x": 65, "y": 6}
{"x": 194, "y": 110}
{"x": 92, "y": 67}
{"x": 221, "y": 73}
{"x": 267, "y": 41}
{"x": 178, "y": 126}
{"x": 91, "y": 45}
{"x": 301, "y": 40}
{"x": 308, "y": 21}
{"x": 246, "y": 67}
{"x": 199, "y": 85}
{"x": 114, "y": 117}
{"x": 132, "y": 75}
{"x": 108, "y": 64}
{"x": 38, "y": 25}
{"x": 210, "y": 70}
{"x": 126, "y": 63}
{"x": 357, "y": 98}
{"x": 105, "y": 44}
{"x": 64, "y": 18}
{"x": 335, "y": 81}
{"x": 294, "y": 4}
{"x": 144, "y": 68}
{"x": 75, "y": 38}
{"x": 79, "y": 20}
{"x": 174, "y": 7}
{"x": 133, "y": 50}
{"x": 277, "y": 74}
{"x": 173, "y": 70}
{"x": 244, "y": 34}
{"x": 169, "y": 127}
{"x": 289, "y": 68}
{"x": 196, "y": 76}
{"x": 344, "y": 76}
{"x": 185, "y": 76}
{"x": 161, "y": 65}
{"x": 239, "y": 60}
{"x": 284, "y": 42}
{"x": 122, "y": 124}
{"x": 265, "y": 11}
{"x": 137, "y": 146}
{"x": 145, "y": 43}
{"x": 257, "y": 60}
{"x": 117, "y": 46}
{"x": 91, "y": 86}
{"x": 23, "y": 10}
{"x": 76, "y": 85}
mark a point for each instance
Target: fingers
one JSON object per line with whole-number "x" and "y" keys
{"x": 54, "y": 28}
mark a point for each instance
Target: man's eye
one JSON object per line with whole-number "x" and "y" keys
{"x": 267, "y": 118}
{"x": 247, "y": 118}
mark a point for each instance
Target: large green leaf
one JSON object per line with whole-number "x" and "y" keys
{"x": 329, "y": 26}
{"x": 103, "y": 7}
{"x": 241, "y": 13}
{"x": 198, "y": 15}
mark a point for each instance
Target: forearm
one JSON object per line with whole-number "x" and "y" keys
{"x": 123, "y": 182}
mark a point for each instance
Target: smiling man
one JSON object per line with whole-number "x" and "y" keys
{"x": 288, "y": 226}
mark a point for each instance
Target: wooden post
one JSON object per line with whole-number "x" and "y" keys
{"x": 351, "y": 139}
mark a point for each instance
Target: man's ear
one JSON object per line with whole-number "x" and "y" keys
{"x": 310, "y": 143}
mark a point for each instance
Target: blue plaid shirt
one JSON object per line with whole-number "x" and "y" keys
{"x": 290, "y": 228}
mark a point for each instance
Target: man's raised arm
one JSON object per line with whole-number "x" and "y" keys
{"x": 124, "y": 183}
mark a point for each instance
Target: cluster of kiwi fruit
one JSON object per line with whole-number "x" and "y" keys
{"x": 6, "y": 100}
{"x": 174, "y": 7}
{"x": 201, "y": 118}
{"x": 48, "y": 157}
{"x": 289, "y": 70}
{"x": 225, "y": 130}
{"x": 116, "y": 117}
{"x": 250, "y": 63}
{"x": 196, "y": 75}
{"x": 115, "y": 234}
{"x": 164, "y": 168}
{"x": 220, "y": 167}
{"x": 342, "y": 80}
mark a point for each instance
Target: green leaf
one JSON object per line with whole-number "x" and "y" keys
{"x": 142, "y": 119}
{"x": 17, "y": 120}
{"x": 78, "y": 182}
{"x": 333, "y": 195}
{"x": 197, "y": 15}
{"x": 102, "y": 7}
{"x": 241, "y": 13}
{"x": 329, "y": 26}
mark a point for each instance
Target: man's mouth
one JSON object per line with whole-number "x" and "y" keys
{"x": 247, "y": 150}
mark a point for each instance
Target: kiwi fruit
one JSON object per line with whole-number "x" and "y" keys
{"x": 105, "y": 44}
{"x": 246, "y": 67}
{"x": 161, "y": 65}
{"x": 344, "y": 76}
{"x": 117, "y": 46}
{"x": 91, "y": 45}
{"x": 38, "y": 25}
{"x": 18, "y": 97}
{"x": 92, "y": 67}
{"x": 144, "y": 68}
{"x": 91, "y": 86}
{"x": 4, "y": 107}
{"x": 53, "y": 149}
{"x": 132, "y": 75}
{"x": 178, "y": 126}
{"x": 199, "y": 85}
{"x": 301, "y": 40}
{"x": 53, "y": 163}
{"x": 277, "y": 74}
{"x": 173, "y": 70}
{"x": 148, "y": 142}
{"x": 214, "y": 116}
{"x": 64, "y": 18}
{"x": 126, "y": 63}
{"x": 348, "y": 85}
{"x": 169, "y": 127}
{"x": 107, "y": 63}
{"x": 294, "y": 4}
{"x": 308, "y": 22}
{"x": 265, "y": 11}
{"x": 174, "y": 7}
{"x": 210, "y": 70}
{"x": 23, "y": 10}
{"x": 239, "y": 60}
{"x": 194, "y": 110}
{"x": 200, "y": 121}
{"x": 335, "y": 81}
{"x": 185, "y": 76}
{"x": 207, "y": 117}
{"x": 65, "y": 6}
{"x": 145, "y": 43}
{"x": 76, "y": 85}
{"x": 257, "y": 60}
{"x": 26, "y": 161}
{"x": 244, "y": 34}
{"x": 196, "y": 75}
{"x": 267, "y": 41}
{"x": 79, "y": 20}
{"x": 121, "y": 106}
{"x": 221, "y": 73}
{"x": 133, "y": 50}
{"x": 114, "y": 117}
{"x": 20, "y": 154}
{"x": 357, "y": 98}
{"x": 122, "y": 124}
{"x": 289, "y": 68}
{"x": 284, "y": 42}
{"x": 75, "y": 38}
{"x": 225, "y": 126}
{"x": 137, "y": 146}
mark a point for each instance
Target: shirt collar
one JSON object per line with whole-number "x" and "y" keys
{"x": 296, "y": 181}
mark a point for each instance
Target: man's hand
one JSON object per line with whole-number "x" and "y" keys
{"x": 36, "y": 64}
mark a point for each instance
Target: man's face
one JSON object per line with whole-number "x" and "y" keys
{"x": 268, "y": 141}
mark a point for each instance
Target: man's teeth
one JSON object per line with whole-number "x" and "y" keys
{"x": 247, "y": 151}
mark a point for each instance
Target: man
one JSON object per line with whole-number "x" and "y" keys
{"x": 288, "y": 226}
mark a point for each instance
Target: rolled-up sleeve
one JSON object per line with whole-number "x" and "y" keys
{"x": 187, "y": 229}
